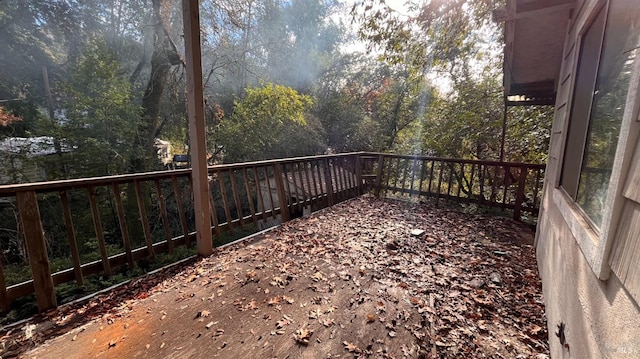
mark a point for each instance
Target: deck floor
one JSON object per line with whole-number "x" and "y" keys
{"x": 349, "y": 281}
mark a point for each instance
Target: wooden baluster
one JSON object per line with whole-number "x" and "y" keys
{"x": 309, "y": 192}
{"x": 144, "y": 220}
{"x": 249, "y": 197}
{"x": 268, "y": 179}
{"x": 321, "y": 189}
{"x": 183, "y": 218}
{"x": 259, "y": 192}
{"x": 4, "y": 301}
{"x": 36, "y": 249}
{"x": 97, "y": 225}
{"x": 507, "y": 183}
{"x": 214, "y": 214}
{"x": 459, "y": 182}
{"x": 328, "y": 181}
{"x": 296, "y": 188}
{"x": 359, "y": 184}
{"x": 282, "y": 199}
{"x": 441, "y": 171}
{"x": 122, "y": 220}
{"x": 536, "y": 189}
{"x": 317, "y": 192}
{"x": 223, "y": 194}
{"x": 404, "y": 174}
{"x": 236, "y": 198}
{"x": 433, "y": 164}
{"x": 302, "y": 186}
{"x": 379, "y": 173}
{"x": 346, "y": 175}
{"x": 450, "y": 182}
{"x": 522, "y": 181}
{"x": 492, "y": 199}
{"x": 413, "y": 176}
{"x": 422, "y": 170}
{"x": 483, "y": 175}
{"x": 335, "y": 174}
{"x": 471, "y": 178}
{"x": 164, "y": 216}
{"x": 71, "y": 234}
{"x": 287, "y": 187}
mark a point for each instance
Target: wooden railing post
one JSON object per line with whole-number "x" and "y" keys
{"x": 36, "y": 249}
{"x": 378, "y": 181}
{"x": 282, "y": 198}
{"x": 522, "y": 180}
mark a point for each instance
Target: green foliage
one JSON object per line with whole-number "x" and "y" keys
{"x": 101, "y": 114}
{"x": 269, "y": 122}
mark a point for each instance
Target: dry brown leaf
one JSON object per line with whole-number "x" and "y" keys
{"x": 352, "y": 348}
{"x": 302, "y": 336}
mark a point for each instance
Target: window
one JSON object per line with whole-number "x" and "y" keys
{"x": 600, "y": 92}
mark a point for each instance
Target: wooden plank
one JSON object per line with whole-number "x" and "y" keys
{"x": 249, "y": 197}
{"x": 507, "y": 176}
{"x": 36, "y": 249}
{"x": 165, "y": 218}
{"x": 236, "y": 197}
{"x": 144, "y": 220}
{"x": 183, "y": 217}
{"x": 71, "y": 235}
{"x": 318, "y": 192}
{"x": 197, "y": 125}
{"x": 122, "y": 220}
{"x": 282, "y": 199}
{"x": 97, "y": 225}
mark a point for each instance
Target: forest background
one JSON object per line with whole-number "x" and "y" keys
{"x": 95, "y": 83}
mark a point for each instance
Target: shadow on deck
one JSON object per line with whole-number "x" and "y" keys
{"x": 351, "y": 280}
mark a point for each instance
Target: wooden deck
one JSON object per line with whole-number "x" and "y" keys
{"x": 348, "y": 281}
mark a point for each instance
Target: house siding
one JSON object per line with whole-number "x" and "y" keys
{"x": 591, "y": 280}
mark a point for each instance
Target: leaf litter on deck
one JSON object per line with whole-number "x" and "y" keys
{"x": 366, "y": 278}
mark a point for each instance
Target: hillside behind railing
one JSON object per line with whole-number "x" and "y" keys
{"x": 61, "y": 233}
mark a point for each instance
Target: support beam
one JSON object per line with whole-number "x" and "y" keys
{"x": 198, "y": 144}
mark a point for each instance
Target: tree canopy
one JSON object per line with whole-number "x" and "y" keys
{"x": 281, "y": 79}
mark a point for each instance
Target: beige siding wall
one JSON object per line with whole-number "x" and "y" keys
{"x": 599, "y": 308}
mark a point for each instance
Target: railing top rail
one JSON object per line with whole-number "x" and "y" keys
{"x": 457, "y": 160}
{"x": 10, "y": 190}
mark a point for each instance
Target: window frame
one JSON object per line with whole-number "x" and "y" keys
{"x": 595, "y": 243}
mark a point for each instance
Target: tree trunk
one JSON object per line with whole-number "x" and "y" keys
{"x": 163, "y": 58}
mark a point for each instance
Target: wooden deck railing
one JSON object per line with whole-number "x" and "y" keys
{"x": 502, "y": 185}
{"x": 101, "y": 223}
{"x": 68, "y": 230}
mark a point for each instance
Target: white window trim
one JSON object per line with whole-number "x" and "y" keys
{"x": 596, "y": 246}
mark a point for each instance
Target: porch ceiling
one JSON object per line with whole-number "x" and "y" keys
{"x": 534, "y": 39}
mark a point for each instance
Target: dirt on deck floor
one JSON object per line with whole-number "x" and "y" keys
{"x": 350, "y": 281}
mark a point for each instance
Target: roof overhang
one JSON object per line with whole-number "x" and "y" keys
{"x": 534, "y": 41}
